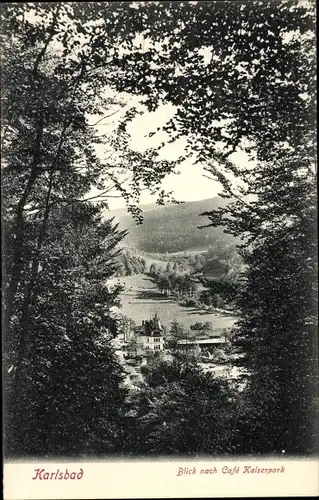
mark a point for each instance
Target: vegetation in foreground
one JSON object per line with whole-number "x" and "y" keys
{"x": 63, "y": 384}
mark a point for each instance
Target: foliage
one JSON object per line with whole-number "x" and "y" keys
{"x": 261, "y": 80}
{"x": 279, "y": 306}
{"x": 132, "y": 346}
{"x": 52, "y": 86}
{"x": 256, "y": 63}
{"x": 219, "y": 294}
{"x": 57, "y": 253}
{"x": 177, "y": 330}
{"x": 189, "y": 302}
{"x": 207, "y": 326}
{"x": 260, "y": 76}
{"x": 64, "y": 375}
{"x": 130, "y": 263}
{"x": 253, "y": 60}
{"x": 183, "y": 411}
{"x": 169, "y": 282}
{"x": 124, "y": 324}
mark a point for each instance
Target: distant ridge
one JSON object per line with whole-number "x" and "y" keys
{"x": 119, "y": 213}
{"x": 171, "y": 227}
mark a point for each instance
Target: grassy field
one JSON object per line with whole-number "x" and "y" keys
{"x": 141, "y": 300}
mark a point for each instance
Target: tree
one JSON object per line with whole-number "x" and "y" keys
{"x": 129, "y": 266}
{"x": 279, "y": 307}
{"x": 125, "y": 325}
{"x": 277, "y": 298}
{"x": 219, "y": 302}
{"x": 259, "y": 77}
{"x": 183, "y": 411}
{"x": 153, "y": 269}
{"x": 65, "y": 376}
{"x": 257, "y": 107}
{"x": 120, "y": 271}
{"x": 53, "y": 87}
{"x": 48, "y": 141}
{"x": 143, "y": 265}
{"x": 199, "y": 262}
{"x": 207, "y": 325}
{"x": 177, "y": 330}
{"x": 196, "y": 326}
{"x": 254, "y": 105}
{"x": 132, "y": 346}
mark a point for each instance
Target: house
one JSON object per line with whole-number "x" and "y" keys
{"x": 150, "y": 335}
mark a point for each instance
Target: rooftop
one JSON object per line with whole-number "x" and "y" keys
{"x": 151, "y": 327}
{"x": 202, "y": 341}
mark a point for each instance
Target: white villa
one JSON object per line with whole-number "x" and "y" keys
{"x": 150, "y": 335}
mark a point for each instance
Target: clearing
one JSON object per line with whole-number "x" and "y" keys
{"x": 141, "y": 300}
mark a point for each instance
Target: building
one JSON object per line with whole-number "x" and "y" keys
{"x": 202, "y": 342}
{"x": 201, "y": 346}
{"x": 150, "y": 335}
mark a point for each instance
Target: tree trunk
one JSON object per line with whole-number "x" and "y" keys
{"x": 14, "y": 273}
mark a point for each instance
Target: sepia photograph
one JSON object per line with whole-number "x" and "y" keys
{"x": 159, "y": 235}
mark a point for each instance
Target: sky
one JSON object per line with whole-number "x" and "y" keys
{"x": 190, "y": 184}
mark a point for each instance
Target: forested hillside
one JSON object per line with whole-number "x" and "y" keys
{"x": 174, "y": 228}
{"x": 129, "y": 262}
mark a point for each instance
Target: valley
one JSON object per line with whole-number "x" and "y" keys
{"x": 141, "y": 300}
{"x": 170, "y": 245}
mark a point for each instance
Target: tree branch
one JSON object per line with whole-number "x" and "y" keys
{"x": 49, "y": 39}
{"x": 103, "y": 118}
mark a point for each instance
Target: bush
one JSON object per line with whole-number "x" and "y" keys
{"x": 189, "y": 302}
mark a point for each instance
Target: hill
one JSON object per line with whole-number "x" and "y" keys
{"x": 172, "y": 228}
{"x": 121, "y": 213}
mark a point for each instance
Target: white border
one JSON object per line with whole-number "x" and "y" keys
{"x": 158, "y": 479}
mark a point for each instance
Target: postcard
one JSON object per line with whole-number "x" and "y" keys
{"x": 159, "y": 249}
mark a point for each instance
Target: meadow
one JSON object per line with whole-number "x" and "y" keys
{"x": 141, "y": 300}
